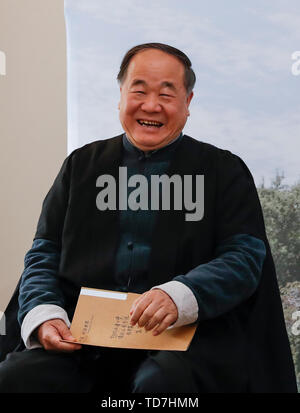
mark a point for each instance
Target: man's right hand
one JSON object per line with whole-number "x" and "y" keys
{"x": 51, "y": 332}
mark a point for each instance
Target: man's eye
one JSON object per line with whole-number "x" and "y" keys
{"x": 139, "y": 91}
{"x": 164, "y": 94}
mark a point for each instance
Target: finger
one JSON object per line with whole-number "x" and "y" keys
{"x": 55, "y": 344}
{"x": 64, "y": 331}
{"x": 65, "y": 334}
{"x": 156, "y": 318}
{"x": 53, "y": 335}
{"x": 150, "y": 312}
{"x": 134, "y": 304}
{"x": 164, "y": 324}
{"x": 139, "y": 309}
{"x": 136, "y": 301}
{"x": 66, "y": 347}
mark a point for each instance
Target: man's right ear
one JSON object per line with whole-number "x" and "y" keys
{"x": 119, "y": 100}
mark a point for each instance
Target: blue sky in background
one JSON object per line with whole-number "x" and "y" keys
{"x": 246, "y": 98}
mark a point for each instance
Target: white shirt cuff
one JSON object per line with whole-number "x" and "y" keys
{"x": 36, "y": 317}
{"x": 184, "y": 299}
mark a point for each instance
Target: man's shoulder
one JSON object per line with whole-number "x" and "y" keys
{"x": 207, "y": 148}
{"x": 214, "y": 157}
{"x": 97, "y": 145}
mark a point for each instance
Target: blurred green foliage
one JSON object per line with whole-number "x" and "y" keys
{"x": 281, "y": 209}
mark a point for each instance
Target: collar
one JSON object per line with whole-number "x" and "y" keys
{"x": 134, "y": 150}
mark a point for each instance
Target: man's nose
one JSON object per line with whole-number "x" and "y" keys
{"x": 151, "y": 104}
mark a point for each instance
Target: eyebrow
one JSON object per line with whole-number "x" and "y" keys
{"x": 165, "y": 83}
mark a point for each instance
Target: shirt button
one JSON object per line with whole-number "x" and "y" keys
{"x": 130, "y": 245}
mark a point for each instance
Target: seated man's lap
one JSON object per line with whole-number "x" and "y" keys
{"x": 38, "y": 370}
{"x": 87, "y": 370}
{"x": 92, "y": 370}
{"x": 166, "y": 372}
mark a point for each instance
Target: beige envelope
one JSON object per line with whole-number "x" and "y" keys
{"x": 102, "y": 318}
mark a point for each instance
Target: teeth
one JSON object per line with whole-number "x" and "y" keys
{"x": 149, "y": 123}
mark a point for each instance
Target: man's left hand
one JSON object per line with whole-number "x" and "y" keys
{"x": 154, "y": 308}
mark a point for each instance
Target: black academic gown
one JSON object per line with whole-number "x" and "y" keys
{"x": 244, "y": 350}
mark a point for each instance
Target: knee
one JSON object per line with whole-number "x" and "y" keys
{"x": 8, "y": 377}
{"x": 150, "y": 379}
{"x": 17, "y": 371}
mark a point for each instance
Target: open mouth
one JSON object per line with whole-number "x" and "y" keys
{"x": 150, "y": 123}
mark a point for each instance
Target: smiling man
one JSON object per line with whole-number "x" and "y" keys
{"x": 154, "y": 99}
{"x": 216, "y": 271}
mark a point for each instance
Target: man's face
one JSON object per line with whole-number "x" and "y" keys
{"x": 153, "y": 91}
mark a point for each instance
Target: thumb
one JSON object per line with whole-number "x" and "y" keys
{"x": 64, "y": 331}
